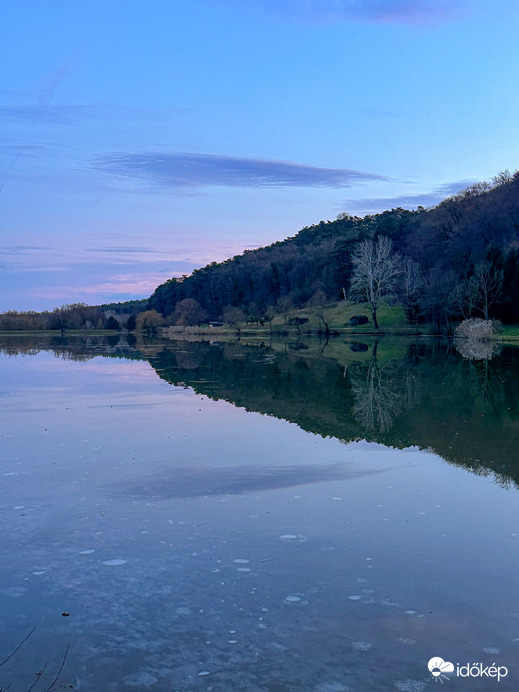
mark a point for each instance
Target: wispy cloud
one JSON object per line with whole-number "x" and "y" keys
{"x": 410, "y": 201}
{"x": 71, "y": 114}
{"x": 185, "y": 170}
{"x": 51, "y": 81}
{"x": 121, "y": 249}
{"x": 376, "y": 11}
{"x": 21, "y": 150}
{"x": 22, "y": 249}
{"x": 125, "y": 285}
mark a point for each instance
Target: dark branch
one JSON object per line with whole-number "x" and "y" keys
{"x": 17, "y": 648}
{"x": 49, "y": 688}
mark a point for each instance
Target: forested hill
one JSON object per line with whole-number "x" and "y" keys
{"x": 443, "y": 246}
{"x": 318, "y": 257}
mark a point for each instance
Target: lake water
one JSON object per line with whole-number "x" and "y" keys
{"x": 321, "y": 517}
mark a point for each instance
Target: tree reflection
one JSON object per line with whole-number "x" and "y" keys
{"x": 483, "y": 384}
{"x": 381, "y": 392}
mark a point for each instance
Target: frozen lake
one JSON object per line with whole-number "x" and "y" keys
{"x": 156, "y": 521}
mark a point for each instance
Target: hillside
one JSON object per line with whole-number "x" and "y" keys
{"x": 444, "y": 244}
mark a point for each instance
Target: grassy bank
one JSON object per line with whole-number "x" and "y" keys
{"x": 391, "y": 319}
{"x": 510, "y": 332}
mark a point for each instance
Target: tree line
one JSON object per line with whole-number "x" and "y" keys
{"x": 457, "y": 260}
{"x": 76, "y": 316}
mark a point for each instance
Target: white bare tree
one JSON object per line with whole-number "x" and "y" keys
{"x": 376, "y": 271}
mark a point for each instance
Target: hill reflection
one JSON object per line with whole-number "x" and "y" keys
{"x": 393, "y": 392}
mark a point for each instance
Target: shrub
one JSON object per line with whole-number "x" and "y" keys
{"x": 476, "y": 329}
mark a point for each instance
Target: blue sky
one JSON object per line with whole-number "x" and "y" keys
{"x": 141, "y": 139}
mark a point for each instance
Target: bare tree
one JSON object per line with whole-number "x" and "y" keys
{"x": 490, "y": 283}
{"x": 235, "y": 317}
{"x": 376, "y": 270}
{"x": 269, "y": 314}
{"x": 411, "y": 289}
{"x": 318, "y": 303}
{"x": 465, "y": 297}
{"x": 502, "y": 178}
{"x": 438, "y": 295}
{"x": 189, "y": 312}
{"x": 284, "y": 306}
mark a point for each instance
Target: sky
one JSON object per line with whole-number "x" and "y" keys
{"x": 141, "y": 139}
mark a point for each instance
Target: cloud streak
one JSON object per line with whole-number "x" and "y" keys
{"x": 411, "y": 201}
{"x": 17, "y": 150}
{"x": 122, "y": 249}
{"x": 125, "y": 285}
{"x": 373, "y": 11}
{"x": 186, "y": 170}
{"x": 71, "y": 114}
{"x": 23, "y": 249}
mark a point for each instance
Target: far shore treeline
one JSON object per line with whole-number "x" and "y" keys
{"x": 457, "y": 260}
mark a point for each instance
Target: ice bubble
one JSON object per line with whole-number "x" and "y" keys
{"x": 243, "y": 569}
{"x": 142, "y": 679}
{"x": 14, "y": 591}
{"x": 354, "y": 598}
{"x": 20, "y": 507}
{"x": 491, "y": 650}
{"x": 336, "y": 498}
{"x": 361, "y": 646}
{"x": 241, "y": 561}
{"x": 332, "y": 687}
{"x": 232, "y": 641}
{"x": 183, "y": 610}
{"x": 86, "y": 552}
{"x": 40, "y": 572}
{"x": 203, "y": 673}
{"x": 114, "y": 563}
{"x": 410, "y": 685}
{"x": 292, "y": 599}
{"x": 288, "y": 536}
{"x": 410, "y": 612}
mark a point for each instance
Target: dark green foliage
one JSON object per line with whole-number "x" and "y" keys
{"x": 131, "y": 323}
{"x": 112, "y": 323}
{"x": 125, "y": 307}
